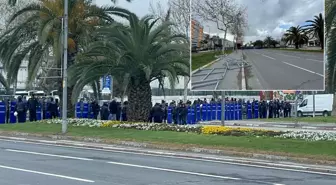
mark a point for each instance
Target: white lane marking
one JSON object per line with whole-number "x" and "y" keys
{"x": 174, "y": 171}
{"x": 188, "y": 173}
{"x": 287, "y": 55}
{"x": 303, "y": 69}
{"x": 268, "y": 57}
{"x": 50, "y": 155}
{"x": 280, "y": 167}
{"x": 47, "y": 174}
{"x": 314, "y": 60}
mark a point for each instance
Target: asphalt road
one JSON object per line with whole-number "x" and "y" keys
{"x": 285, "y": 70}
{"x": 33, "y": 164}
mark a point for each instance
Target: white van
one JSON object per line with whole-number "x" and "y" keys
{"x": 323, "y": 105}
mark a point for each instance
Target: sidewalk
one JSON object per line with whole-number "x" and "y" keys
{"x": 279, "y": 125}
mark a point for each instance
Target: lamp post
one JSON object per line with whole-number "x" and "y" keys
{"x": 209, "y": 36}
{"x": 65, "y": 64}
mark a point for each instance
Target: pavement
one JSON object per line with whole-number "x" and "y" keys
{"x": 278, "y": 69}
{"x": 222, "y": 74}
{"x": 277, "y": 125}
{"x": 41, "y": 162}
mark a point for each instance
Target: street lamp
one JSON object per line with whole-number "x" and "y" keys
{"x": 65, "y": 64}
{"x": 209, "y": 36}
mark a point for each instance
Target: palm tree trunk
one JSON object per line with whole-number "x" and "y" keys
{"x": 140, "y": 101}
{"x": 296, "y": 46}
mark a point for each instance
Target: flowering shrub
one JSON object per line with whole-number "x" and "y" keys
{"x": 160, "y": 127}
{"x": 310, "y": 135}
{"x": 231, "y": 131}
{"x": 76, "y": 122}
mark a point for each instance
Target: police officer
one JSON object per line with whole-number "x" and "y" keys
{"x": 32, "y": 106}
{"x": 20, "y": 108}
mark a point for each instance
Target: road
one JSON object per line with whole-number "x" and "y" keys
{"x": 285, "y": 70}
{"x": 25, "y": 163}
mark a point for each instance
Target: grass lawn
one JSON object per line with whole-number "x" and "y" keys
{"x": 201, "y": 59}
{"x": 318, "y": 119}
{"x": 318, "y": 149}
{"x": 300, "y": 50}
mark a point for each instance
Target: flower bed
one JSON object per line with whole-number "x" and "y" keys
{"x": 160, "y": 127}
{"x": 76, "y": 122}
{"x": 211, "y": 130}
{"x": 232, "y": 131}
{"x": 310, "y": 135}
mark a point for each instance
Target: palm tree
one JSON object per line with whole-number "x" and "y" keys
{"x": 13, "y": 2}
{"x": 296, "y": 36}
{"x": 136, "y": 55}
{"x": 274, "y": 43}
{"x": 316, "y": 28}
{"x": 330, "y": 21}
{"x": 40, "y": 34}
{"x": 268, "y": 41}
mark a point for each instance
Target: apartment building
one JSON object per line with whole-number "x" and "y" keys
{"x": 196, "y": 33}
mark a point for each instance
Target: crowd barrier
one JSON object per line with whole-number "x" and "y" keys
{"x": 205, "y": 112}
{"x": 213, "y": 112}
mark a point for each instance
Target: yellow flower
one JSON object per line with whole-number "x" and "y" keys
{"x": 224, "y": 129}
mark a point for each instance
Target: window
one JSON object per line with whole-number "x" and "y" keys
{"x": 304, "y": 103}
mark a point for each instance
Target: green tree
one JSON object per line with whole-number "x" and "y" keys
{"x": 316, "y": 28}
{"x": 13, "y": 2}
{"x": 268, "y": 41}
{"x": 330, "y": 22}
{"x": 258, "y": 43}
{"x": 134, "y": 55}
{"x": 40, "y": 35}
{"x": 296, "y": 36}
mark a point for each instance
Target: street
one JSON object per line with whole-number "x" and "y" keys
{"x": 285, "y": 70}
{"x": 24, "y": 163}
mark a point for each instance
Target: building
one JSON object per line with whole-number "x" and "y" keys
{"x": 313, "y": 41}
{"x": 196, "y": 33}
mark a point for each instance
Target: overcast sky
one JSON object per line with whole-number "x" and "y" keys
{"x": 139, "y": 7}
{"x": 273, "y": 17}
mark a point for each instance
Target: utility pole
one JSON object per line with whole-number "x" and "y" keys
{"x": 65, "y": 64}
{"x": 223, "y": 109}
{"x": 314, "y": 104}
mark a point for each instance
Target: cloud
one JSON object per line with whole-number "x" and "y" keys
{"x": 274, "y": 17}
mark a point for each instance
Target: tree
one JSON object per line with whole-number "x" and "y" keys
{"x": 258, "y": 43}
{"x": 139, "y": 53}
{"x": 268, "y": 41}
{"x": 296, "y": 36}
{"x": 41, "y": 33}
{"x": 330, "y": 23}
{"x": 13, "y": 2}
{"x": 178, "y": 14}
{"x": 224, "y": 13}
{"x": 316, "y": 28}
{"x": 274, "y": 43}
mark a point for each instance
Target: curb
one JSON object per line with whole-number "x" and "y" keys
{"x": 206, "y": 65}
{"x": 271, "y": 162}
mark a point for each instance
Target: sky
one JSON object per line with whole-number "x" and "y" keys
{"x": 272, "y": 17}
{"x": 139, "y": 7}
